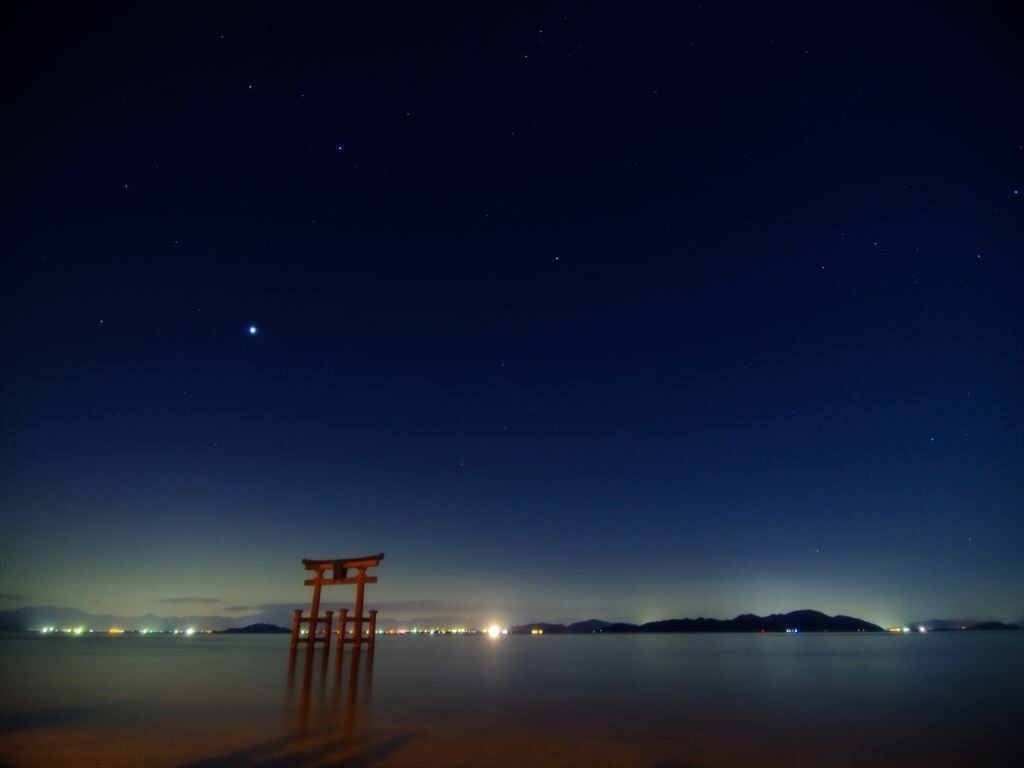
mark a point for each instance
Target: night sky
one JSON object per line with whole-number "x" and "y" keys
{"x": 574, "y": 310}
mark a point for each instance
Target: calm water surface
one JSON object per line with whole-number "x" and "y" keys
{"x": 650, "y": 700}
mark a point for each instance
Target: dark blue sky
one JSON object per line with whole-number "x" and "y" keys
{"x": 572, "y": 310}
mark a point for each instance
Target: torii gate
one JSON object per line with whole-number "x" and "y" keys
{"x": 339, "y": 575}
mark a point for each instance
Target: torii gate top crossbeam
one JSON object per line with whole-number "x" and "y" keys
{"x": 340, "y": 568}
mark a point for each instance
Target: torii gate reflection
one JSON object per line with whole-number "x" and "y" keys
{"x": 353, "y": 707}
{"x": 345, "y": 700}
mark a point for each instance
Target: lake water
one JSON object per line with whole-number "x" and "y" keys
{"x": 630, "y": 700}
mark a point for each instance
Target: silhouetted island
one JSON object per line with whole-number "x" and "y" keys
{"x": 796, "y": 621}
{"x": 258, "y": 629}
{"x": 994, "y": 626}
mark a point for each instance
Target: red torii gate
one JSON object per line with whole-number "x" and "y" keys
{"x": 339, "y": 568}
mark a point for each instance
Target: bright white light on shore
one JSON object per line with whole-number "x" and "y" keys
{"x": 494, "y": 630}
{"x": 190, "y": 631}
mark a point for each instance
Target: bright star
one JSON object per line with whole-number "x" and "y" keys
{"x": 253, "y": 330}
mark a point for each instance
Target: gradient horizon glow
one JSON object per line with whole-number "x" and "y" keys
{"x": 573, "y": 313}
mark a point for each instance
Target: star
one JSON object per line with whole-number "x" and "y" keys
{"x": 253, "y": 330}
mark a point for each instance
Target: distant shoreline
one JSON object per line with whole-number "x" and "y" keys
{"x": 53, "y": 620}
{"x": 795, "y": 622}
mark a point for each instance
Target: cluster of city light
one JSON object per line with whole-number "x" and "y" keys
{"x": 493, "y": 630}
{"x": 122, "y": 631}
{"x": 908, "y": 630}
{"x": 63, "y": 631}
{"x": 431, "y": 631}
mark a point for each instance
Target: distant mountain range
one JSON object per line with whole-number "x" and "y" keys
{"x": 35, "y": 618}
{"x": 258, "y": 629}
{"x": 799, "y": 621}
{"x": 948, "y": 625}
